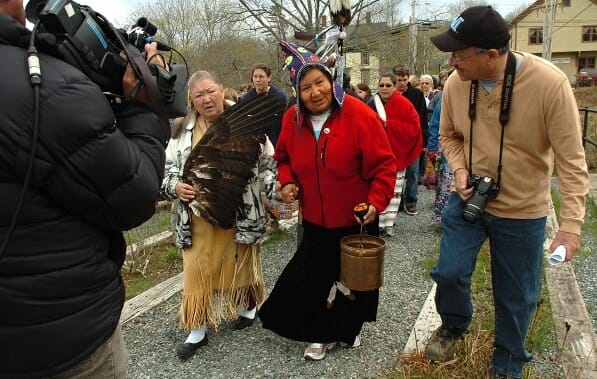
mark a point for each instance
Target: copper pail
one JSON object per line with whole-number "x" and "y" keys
{"x": 361, "y": 262}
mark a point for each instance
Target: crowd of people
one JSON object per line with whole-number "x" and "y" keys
{"x": 477, "y": 135}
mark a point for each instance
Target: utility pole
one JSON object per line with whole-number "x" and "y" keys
{"x": 413, "y": 38}
{"x": 548, "y": 22}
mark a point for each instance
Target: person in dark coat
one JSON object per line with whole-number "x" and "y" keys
{"x": 416, "y": 97}
{"x": 261, "y": 78}
{"x": 96, "y": 171}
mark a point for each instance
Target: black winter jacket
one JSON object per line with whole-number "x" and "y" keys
{"x": 95, "y": 174}
{"x": 417, "y": 98}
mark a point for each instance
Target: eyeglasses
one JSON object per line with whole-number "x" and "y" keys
{"x": 387, "y": 85}
{"x": 454, "y": 60}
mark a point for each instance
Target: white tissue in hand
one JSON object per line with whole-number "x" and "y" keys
{"x": 558, "y": 255}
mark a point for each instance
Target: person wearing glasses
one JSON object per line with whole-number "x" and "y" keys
{"x": 506, "y": 118}
{"x": 403, "y": 129}
{"x": 428, "y": 92}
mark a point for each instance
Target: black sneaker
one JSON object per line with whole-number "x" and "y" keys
{"x": 442, "y": 343}
{"x": 242, "y": 323}
{"x": 504, "y": 376}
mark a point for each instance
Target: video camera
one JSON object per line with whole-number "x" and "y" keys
{"x": 86, "y": 40}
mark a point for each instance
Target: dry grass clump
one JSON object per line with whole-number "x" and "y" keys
{"x": 473, "y": 355}
{"x": 471, "y": 360}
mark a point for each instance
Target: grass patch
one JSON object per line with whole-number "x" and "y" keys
{"x": 277, "y": 235}
{"x": 590, "y": 225}
{"x": 150, "y": 265}
{"x": 163, "y": 262}
{"x": 158, "y": 223}
{"x": 473, "y": 355}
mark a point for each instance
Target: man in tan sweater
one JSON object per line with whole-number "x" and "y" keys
{"x": 506, "y": 118}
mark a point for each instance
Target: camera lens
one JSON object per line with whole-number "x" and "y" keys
{"x": 471, "y": 213}
{"x": 474, "y": 207}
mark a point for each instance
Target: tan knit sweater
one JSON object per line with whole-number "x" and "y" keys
{"x": 544, "y": 128}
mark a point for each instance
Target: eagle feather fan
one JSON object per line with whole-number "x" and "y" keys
{"x": 224, "y": 160}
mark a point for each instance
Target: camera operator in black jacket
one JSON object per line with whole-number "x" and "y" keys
{"x": 97, "y": 171}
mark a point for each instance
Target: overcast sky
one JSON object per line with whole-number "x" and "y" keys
{"x": 118, "y": 11}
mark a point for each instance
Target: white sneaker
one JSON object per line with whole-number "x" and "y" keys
{"x": 316, "y": 351}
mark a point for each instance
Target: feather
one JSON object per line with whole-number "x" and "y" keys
{"x": 224, "y": 160}
{"x": 340, "y": 11}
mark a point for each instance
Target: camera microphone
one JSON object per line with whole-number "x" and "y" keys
{"x": 160, "y": 46}
{"x": 33, "y": 9}
{"x": 146, "y": 30}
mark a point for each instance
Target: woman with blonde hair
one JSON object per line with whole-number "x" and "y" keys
{"x": 222, "y": 271}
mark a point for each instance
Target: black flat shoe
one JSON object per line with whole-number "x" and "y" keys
{"x": 187, "y": 349}
{"x": 242, "y": 322}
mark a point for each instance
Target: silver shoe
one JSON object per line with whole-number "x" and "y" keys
{"x": 389, "y": 231}
{"x": 316, "y": 351}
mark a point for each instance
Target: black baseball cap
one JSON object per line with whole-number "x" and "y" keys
{"x": 480, "y": 26}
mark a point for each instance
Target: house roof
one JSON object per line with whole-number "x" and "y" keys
{"x": 532, "y": 8}
{"x": 365, "y": 30}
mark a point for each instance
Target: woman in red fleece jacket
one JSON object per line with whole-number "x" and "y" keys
{"x": 403, "y": 128}
{"x": 332, "y": 154}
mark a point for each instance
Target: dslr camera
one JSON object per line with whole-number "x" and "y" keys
{"x": 485, "y": 189}
{"x": 86, "y": 40}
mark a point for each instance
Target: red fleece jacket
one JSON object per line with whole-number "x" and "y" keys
{"x": 350, "y": 163}
{"x": 404, "y": 130}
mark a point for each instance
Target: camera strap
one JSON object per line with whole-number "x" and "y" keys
{"x": 144, "y": 75}
{"x": 506, "y": 103}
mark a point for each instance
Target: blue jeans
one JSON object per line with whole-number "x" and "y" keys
{"x": 411, "y": 186}
{"x": 422, "y": 164}
{"x": 516, "y": 257}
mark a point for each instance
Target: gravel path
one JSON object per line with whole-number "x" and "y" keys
{"x": 258, "y": 353}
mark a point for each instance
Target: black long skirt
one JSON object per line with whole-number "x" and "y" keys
{"x": 296, "y": 307}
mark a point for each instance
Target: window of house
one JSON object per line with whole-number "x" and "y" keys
{"x": 589, "y": 33}
{"x": 586, "y": 62}
{"x": 364, "y": 58}
{"x": 565, "y": 3}
{"x": 366, "y": 76}
{"x": 535, "y": 36}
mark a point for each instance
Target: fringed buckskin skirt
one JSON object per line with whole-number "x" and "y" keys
{"x": 296, "y": 307}
{"x": 220, "y": 276}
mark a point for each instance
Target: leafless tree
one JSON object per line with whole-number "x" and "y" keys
{"x": 281, "y": 18}
{"x": 518, "y": 10}
{"x": 191, "y": 25}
